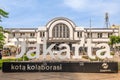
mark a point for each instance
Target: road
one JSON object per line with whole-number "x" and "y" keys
{"x": 59, "y": 76}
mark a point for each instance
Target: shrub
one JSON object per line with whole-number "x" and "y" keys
{"x": 112, "y": 53}
{"x": 85, "y": 57}
{"x": 5, "y": 60}
{"x": 9, "y": 60}
{"x": 25, "y": 58}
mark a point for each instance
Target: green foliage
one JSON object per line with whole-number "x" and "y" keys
{"x": 112, "y": 53}
{"x": 10, "y": 60}
{"x": 25, "y": 58}
{"x": 2, "y": 14}
{"x": 5, "y": 60}
{"x": 1, "y": 38}
{"x": 114, "y": 40}
{"x": 96, "y": 59}
{"x": 85, "y": 57}
{"x": 102, "y": 53}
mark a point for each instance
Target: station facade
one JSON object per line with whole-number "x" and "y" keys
{"x": 60, "y": 30}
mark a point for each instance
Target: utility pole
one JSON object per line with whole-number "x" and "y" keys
{"x": 90, "y": 30}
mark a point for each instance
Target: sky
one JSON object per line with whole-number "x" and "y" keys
{"x": 37, "y": 13}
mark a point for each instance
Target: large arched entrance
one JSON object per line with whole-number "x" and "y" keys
{"x": 61, "y": 30}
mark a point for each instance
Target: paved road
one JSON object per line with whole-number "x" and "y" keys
{"x": 59, "y": 76}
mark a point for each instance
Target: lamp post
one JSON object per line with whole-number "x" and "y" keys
{"x": 17, "y": 43}
{"x": 85, "y": 36}
{"x": 25, "y": 38}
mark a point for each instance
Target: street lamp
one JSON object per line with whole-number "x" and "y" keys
{"x": 16, "y": 39}
{"x": 25, "y": 38}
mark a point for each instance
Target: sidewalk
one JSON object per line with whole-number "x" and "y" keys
{"x": 59, "y": 76}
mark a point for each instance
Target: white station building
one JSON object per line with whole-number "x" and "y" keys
{"x": 60, "y": 30}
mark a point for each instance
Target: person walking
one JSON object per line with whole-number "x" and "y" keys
{"x": 0, "y": 54}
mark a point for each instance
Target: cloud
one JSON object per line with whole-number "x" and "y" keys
{"x": 18, "y": 4}
{"x": 23, "y": 22}
{"x": 29, "y": 13}
{"x": 75, "y": 4}
{"x": 94, "y": 6}
{"x": 22, "y": 13}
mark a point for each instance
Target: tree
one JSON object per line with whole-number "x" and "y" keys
{"x": 3, "y": 14}
{"x": 1, "y": 38}
{"x": 114, "y": 40}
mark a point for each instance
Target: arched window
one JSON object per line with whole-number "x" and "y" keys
{"x": 60, "y": 31}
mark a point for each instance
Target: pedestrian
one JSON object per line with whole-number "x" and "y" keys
{"x": 0, "y": 54}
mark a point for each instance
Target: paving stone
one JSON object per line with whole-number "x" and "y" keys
{"x": 59, "y": 76}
